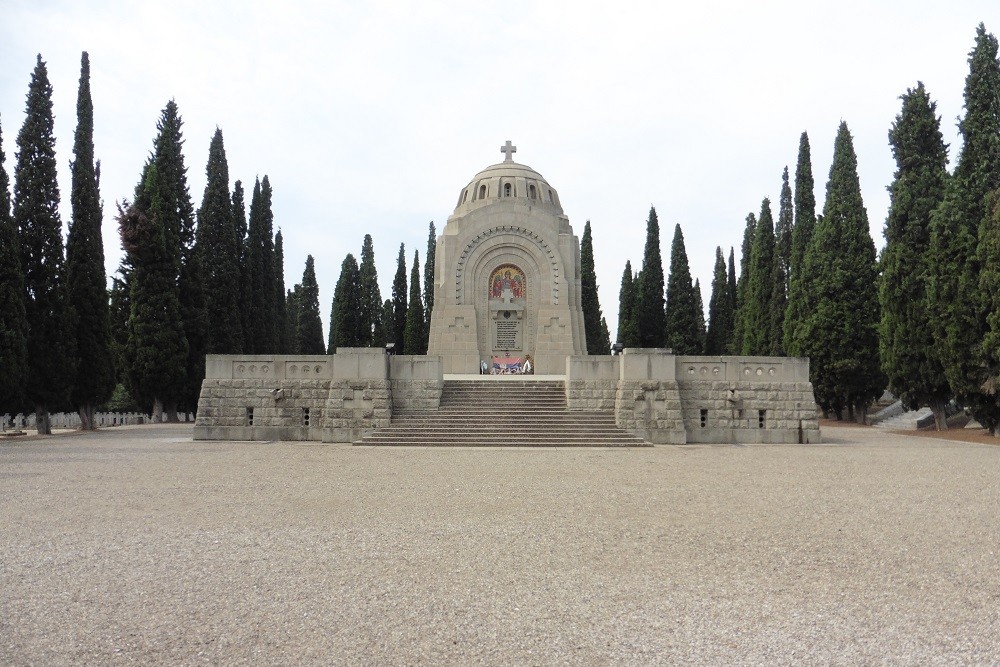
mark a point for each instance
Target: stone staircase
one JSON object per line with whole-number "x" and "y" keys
{"x": 908, "y": 421}
{"x": 495, "y": 412}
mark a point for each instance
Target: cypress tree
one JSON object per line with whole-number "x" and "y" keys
{"x": 264, "y": 337}
{"x": 310, "y": 326}
{"x": 280, "y": 306}
{"x": 370, "y": 304}
{"x": 178, "y": 221}
{"x": 592, "y": 317}
{"x": 346, "y": 324}
{"x": 95, "y": 374}
{"x": 840, "y": 334}
{"x": 702, "y": 329}
{"x": 757, "y": 305}
{"x": 399, "y": 302}
{"x": 802, "y": 231}
{"x": 156, "y": 348}
{"x": 36, "y": 214}
{"x": 384, "y": 335}
{"x": 220, "y": 249}
{"x": 414, "y": 337}
{"x": 13, "y": 322}
{"x": 731, "y": 285}
{"x": 243, "y": 247}
{"x": 429, "y": 278}
{"x": 292, "y": 312}
{"x": 684, "y": 323}
{"x": 720, "y": 310}
{"x": 650, "y": 313}
{"x": 957, "y": 225}
{"x": 781, "y": 268}
{"x": 989, "y": 285}
{"x": 906, "y": 341}
{"x": 628, "y": 336}
{"x": 742, "y": 283}
{"x": 120, "y": 309}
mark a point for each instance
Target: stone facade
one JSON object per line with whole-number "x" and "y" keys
{"x": 508, "y": 218}
{"x": 662, "y": 398}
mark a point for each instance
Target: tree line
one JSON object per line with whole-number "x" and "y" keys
{"x": 922, "y": 318}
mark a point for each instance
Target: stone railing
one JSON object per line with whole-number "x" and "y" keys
{"x": 20, "y": 422}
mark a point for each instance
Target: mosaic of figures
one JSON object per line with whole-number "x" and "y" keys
{"x": 507, "y": 277}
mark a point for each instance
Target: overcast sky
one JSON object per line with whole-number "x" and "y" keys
{"x": 370, "y": 117}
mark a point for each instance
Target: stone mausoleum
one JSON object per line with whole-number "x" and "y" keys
{"x": 507, "y": 298}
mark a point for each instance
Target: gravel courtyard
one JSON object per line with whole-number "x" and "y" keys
{"x": 138, "y": 546}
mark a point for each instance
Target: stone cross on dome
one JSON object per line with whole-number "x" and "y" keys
{"x": 509, "y": 151}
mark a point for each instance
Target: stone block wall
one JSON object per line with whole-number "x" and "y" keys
{"x": 592, "y": 382}
{"x": 416, "y": 382}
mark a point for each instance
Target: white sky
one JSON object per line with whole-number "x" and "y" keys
{"x": 370, "y": 117}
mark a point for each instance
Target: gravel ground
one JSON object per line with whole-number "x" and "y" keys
{"x": 138, "y": 546}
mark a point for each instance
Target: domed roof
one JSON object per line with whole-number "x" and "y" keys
{"x": 508, "y": 182}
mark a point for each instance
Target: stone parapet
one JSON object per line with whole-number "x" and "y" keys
{"x": 651, "y": 409}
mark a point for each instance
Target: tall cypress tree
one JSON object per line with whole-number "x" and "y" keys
{"x": 988, "y": 254}
{"x": 731, "y": 285}
{"x": 720, "y": 310}
{"x": 683, "y": 332}
{"x": 156, "y": 348}
{"x": 429, "y": 278}
{"x": 177, "y": 218}
{"x": 757, "y": 306}
{"x": 13, "y": 322}
{"x": 956, "y": 227}
{"x": 370, "y": 304}
{"x": 384, "y": 334}
{"x": 95, "y": 375}
{"x": 292, "y": 312}
{"x": 263, "y": 338}
{"x": 414, "y": 338}
{"x": 220, "y": 250}
{"x": 906, "y": 341}
{"x": 802, "y": 231}
{"x": 243, "y": 248}
{"x": 702, "y": 328}
{"x": 592, "y": 317}
{"x": 840, "y": 334}
{"x": 310, "y": 326}
{"x": 36, "y": 214}
{"x": 742, "y": 283}
{"x": 399, "y": 302}
{"x": 650, "y": 313}
{"x": 346, "y": 324}
{"x": 781, "y": 268}
{"x": 281, "y": 308}
{"x": 628, "y": 336}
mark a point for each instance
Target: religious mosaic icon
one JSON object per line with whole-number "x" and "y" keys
{"x": 507, "y": 280}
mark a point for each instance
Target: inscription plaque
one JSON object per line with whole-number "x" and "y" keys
{"x": 508, "y": 335}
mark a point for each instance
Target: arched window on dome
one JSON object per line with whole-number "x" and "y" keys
{"x": 482, "y": 192}
{"x": 531, "y": 192}
{"x": 506, "y": 190}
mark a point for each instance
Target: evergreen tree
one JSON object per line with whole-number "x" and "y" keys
{"x": 742, "y": 283}
{"x": 385, "y": 334}
{"x": 650, "y": 313}
{"x": 292, "y": 312}
{"x": 781, "y": 268}
{"x": 906, "y": 341}
{"x": 628, "y": 336}
{"x": 956, "y": 228}
{"x": 989, "y": 285}
{"x": 36, "y": 214}
{"x": 156, "y": 348}
{"x": 702, "y": 328}
{"x": 399, "y": 304}
{"x": 429, "y": 278}
{"x": 13, "y": 322}
{"x": 414, "y": 338}
{"x": 95, "y": 374}
{"x": 281, "y": 307}
{"x": 592, "y": 317}
{"x": 347, "y": 329}
{"x": 757, "y": 305}
{"x": 840, "y": 334}
{"x": 242, "y": 242}
{"x": 120, "y": 309}
{"x": 731, "y": 286}
{"x": 310, "y": 326}
{"x": 220, "y": 250}
{"x": 370, "y": 304}
{"x": 802, "y": 230}
{"x": 263, "y": 306}
{"x": 178, "y": 221}
{"x": 684, "y": 333}
{"x": 720, "y": 310}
